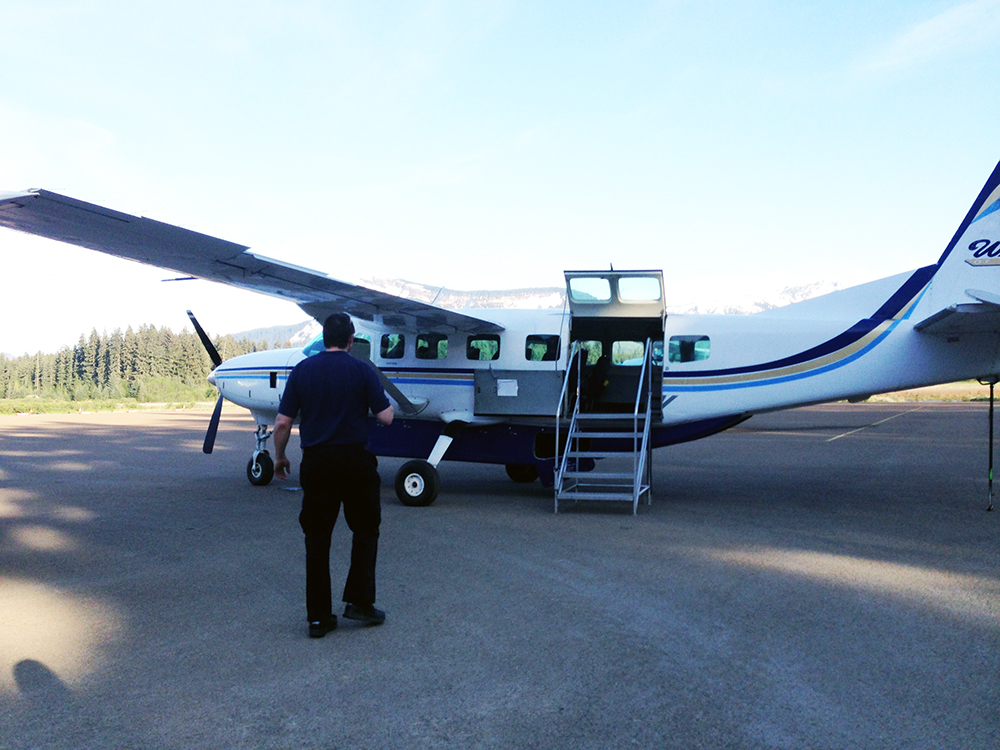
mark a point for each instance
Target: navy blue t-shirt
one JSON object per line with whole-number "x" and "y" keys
{"x": 334, "y": 391}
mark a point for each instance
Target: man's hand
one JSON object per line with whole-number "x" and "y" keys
{"x": 282, "y": 431}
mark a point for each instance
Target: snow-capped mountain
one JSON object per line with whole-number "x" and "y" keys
{"x": 544, "y": 298}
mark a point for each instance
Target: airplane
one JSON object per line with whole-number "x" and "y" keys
{"x": 553, "y": 394}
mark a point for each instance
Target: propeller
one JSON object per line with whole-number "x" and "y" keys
{"x": 213, "y": 354}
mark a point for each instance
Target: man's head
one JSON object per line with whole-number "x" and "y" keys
{"x": 337, "y": 331}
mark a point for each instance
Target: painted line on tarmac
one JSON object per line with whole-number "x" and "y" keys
{"x": 873, "y": 424}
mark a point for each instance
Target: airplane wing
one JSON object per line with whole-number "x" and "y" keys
{"x": 154, "y": 243}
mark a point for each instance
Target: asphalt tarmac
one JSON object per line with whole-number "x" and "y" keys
{"x": 820, "y": 578}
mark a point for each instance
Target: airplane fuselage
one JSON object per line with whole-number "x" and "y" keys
{"x": 716, "y": 370}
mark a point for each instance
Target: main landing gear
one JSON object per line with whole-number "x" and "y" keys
{"x": 418, "y": 481}
{"x": 522, "y": 473}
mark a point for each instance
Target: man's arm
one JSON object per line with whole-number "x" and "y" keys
{"x": 282, "y": 431}
{"x": 383, "y": 417}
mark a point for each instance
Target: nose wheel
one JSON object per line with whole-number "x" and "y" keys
{"x": 417, "y": 483}
{"x": 260, "y": 468}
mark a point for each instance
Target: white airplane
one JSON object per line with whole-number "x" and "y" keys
{"x": 547, "y": 392}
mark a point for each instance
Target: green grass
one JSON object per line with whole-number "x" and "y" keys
{"x": 53, "y": 406}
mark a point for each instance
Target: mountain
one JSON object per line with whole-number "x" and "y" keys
{"x": 537, "y": 298}
{"x": 276, "y": 335}
{"x": 532, "y": 298}
{"x": 760, "y": 300}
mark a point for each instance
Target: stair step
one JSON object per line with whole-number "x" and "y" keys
{"x": 578, "y": 486}
{"x": 604, "y": 434}
{"x": 624, "y": 496}
{"x": 599, "y": 454}
{"x": 609, "y": 416}
{"x": 600, "y": 475}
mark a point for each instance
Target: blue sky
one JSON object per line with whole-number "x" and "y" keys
{"x": 735, "y": 145}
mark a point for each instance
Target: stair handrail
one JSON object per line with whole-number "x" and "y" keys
{"x": 642, "y": 456}
{"x": 639, "y": 449}
{"x": 576, "y": 350}
{"x": 638, "y": 400}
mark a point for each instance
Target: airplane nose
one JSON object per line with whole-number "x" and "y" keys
{"x": 211, "y": 377}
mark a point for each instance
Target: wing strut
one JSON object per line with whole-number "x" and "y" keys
{"x": 405, "y": 405}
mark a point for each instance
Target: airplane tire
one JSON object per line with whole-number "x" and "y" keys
{"x": 523, "y": 473}
{"x": 417, "y": 483}
{"x": 261, "y": 471}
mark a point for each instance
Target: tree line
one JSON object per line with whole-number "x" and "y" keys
{"x": 150, "y": 364}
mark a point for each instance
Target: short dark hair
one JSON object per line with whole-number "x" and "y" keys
{"x": 337, "y": 330}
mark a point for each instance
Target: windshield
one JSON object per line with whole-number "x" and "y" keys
{"x": 315, "y": 346}
{"x": 361, "y": 342}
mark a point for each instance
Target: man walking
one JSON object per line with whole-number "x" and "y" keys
{"x": 334, "y": 393}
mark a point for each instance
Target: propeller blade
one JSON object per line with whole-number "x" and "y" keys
{"x": 213, "y": 353}
{"x": 213, "y": 427}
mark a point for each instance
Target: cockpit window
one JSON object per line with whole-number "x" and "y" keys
{"x": 432, "y": 346}
{"x": 392, "y": 345}
{"x": 362, "y": 345}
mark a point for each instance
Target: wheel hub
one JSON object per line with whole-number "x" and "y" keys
{"x": 414, "y": 484}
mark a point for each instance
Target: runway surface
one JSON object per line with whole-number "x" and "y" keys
{"x": 821, "y": 578}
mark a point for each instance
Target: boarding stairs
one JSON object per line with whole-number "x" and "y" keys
{"x": 620, "y": 441}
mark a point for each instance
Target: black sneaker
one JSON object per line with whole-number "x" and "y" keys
{"x": 366, "y": 613}
{"x": 321, "y": 627}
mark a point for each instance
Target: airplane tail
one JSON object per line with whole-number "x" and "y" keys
{"x": 964, "y": 290}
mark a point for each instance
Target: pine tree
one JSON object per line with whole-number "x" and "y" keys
{"x": 119, "y": 365}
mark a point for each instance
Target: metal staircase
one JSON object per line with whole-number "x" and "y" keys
{"x": 620, "y": 440}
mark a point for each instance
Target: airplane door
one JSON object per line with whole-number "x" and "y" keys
{"x": 615, "y": 312}
{"x": 619, "y": 300}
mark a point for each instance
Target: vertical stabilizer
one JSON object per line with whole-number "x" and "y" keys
{"x": 969, "y": 269}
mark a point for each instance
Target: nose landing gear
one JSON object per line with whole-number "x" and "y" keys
{"x": 260, "y": 468}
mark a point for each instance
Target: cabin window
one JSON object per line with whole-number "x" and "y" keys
{"x": 392, "y": 345}
{"x": 362, "y": 347}
{"x": 628, "y": 353}
{"x": 639, "y": 289}
{"x": 432, "y": 346}
{"x": 688, "y": 348}
{"x": 590, "y": 289}
{"x": 658, "y": 353}
{"x": 541, "y": 348}
{"x": 592, "y": 351}
{"x": 483, "y": 348}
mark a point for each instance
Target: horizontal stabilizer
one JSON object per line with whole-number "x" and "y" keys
{"x": 58, "y": 217}
{"x": 982, "y": 316}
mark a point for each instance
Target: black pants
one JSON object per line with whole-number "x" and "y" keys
{"x": 332, "y": 475}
